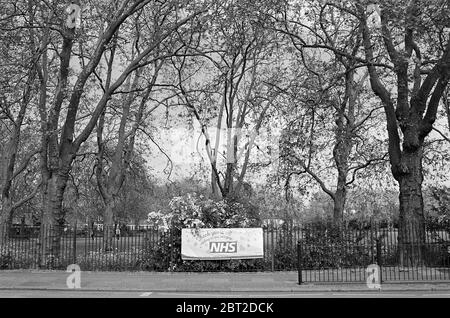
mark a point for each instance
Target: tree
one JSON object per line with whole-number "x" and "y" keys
{"x": 421, "y": 78}
{"x": 408, "y": 68}
{"x": 110, "y": 181}
{"x": 239, "y": 64}
{"x": 337, "y": 113}
{"x": 17, "y": 89}
{"x": 68, "y": 109}
{"x": 137, "y": 196}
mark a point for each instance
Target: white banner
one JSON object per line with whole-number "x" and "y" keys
{"x": 223, "y": 243}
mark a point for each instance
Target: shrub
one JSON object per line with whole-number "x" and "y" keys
{"x": 331, "y": 247}
{"x": 197, "y": 211}
{"x": 5, "y": 259}
{"x": 11, "y": 258}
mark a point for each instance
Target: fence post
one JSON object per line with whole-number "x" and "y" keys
{"x": 272, "y": 249}
{"x": 171, "y": 264}
{"x": 379, "y": 258}
{"x": 299, "y": 262}
{"x": 75, "y": 243}
{"x": 167, "y": 243}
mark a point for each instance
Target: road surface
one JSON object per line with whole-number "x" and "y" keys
{"x": 28, "y": 293}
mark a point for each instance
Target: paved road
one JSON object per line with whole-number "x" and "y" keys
{"x": 139, "y": 294}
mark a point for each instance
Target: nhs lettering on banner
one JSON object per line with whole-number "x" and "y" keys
{"x": 223, "y": 247}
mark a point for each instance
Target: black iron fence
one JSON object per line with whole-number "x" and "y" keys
{"x": 319, "y": 253}
{"x": 26, "y": 247}
{"x": 343, "y": 254}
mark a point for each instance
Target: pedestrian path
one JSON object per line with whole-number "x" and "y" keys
{"x": 191, "y": 282}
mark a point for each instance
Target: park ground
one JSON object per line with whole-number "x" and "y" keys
{"x": 38, "y": 283}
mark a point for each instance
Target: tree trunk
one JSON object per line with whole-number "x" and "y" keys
{"x": 340, "y": 197}
{"x": 53, "y": 220}
{"x": 411, "y": 235}
{"x": 42, "y": 231}
{"x": 232, "y": 141}
{"x": 228, "y": 182}
{"x": 446, "y": 102}
{"x": 341, "y": 154}
{"x": 214, "y": 182}
{"x": 4, "y": 219}
{"x": 345, "y": 123}
{"x": 108, "y": 225}
{"x": 214, "y": 188}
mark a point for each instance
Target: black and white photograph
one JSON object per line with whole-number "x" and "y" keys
{"x": 225, "y": 156}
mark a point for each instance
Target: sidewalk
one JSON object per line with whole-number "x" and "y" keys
{"x": 191, "y": 282}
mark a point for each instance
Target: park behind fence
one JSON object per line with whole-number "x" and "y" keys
{"x": 319, "y": 253}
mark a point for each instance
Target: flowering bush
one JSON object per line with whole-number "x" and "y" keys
{"x": 197, "y": 211}
{"x": 159, "y": 220}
